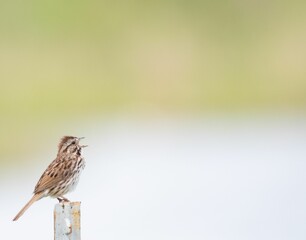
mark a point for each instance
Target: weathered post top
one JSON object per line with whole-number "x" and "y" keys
{"x": 67, "y": 221}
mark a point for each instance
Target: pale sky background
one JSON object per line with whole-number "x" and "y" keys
{"x": 176, "y": 178}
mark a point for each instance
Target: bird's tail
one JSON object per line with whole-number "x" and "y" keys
{"x": 36, "y": 197}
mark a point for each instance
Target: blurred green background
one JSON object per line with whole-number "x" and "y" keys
{"x": 69, "y": 61}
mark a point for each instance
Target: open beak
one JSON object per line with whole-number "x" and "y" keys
{"x": 82, "y": 146}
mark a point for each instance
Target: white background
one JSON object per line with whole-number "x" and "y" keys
{"x": 175, "y": 178}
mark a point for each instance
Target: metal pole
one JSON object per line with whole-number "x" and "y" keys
{"x": 67, "y": 221}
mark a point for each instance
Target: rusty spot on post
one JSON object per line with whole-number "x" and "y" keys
{"x": 67, "y": 221}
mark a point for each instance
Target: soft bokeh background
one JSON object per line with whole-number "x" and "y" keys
{"x": 194, "y": 112}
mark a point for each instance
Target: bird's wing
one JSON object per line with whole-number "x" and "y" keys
{"x": 46, "y": 182}
{"x": 51, "y": 177}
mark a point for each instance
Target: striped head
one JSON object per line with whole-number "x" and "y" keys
{"x": 70, "y": 145}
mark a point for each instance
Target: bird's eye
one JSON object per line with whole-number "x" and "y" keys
{"x": 73, "y": 142}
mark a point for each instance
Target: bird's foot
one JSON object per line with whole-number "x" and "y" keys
{"x": 62, "y": 199}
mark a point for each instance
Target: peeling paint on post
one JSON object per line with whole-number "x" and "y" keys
{"x": 67, "y": 221}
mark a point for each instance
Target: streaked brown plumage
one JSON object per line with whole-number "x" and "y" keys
{"x": 62, "y": 175}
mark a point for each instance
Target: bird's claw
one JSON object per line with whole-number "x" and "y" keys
{"x": 62, "y": 200}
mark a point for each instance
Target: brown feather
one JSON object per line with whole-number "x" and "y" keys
{"x": 64, "y": 140}
{"x": 46, "y": 182}
{"x": 32, "y": 200}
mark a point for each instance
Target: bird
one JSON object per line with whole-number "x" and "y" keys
{"x": 62, "y": 175}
